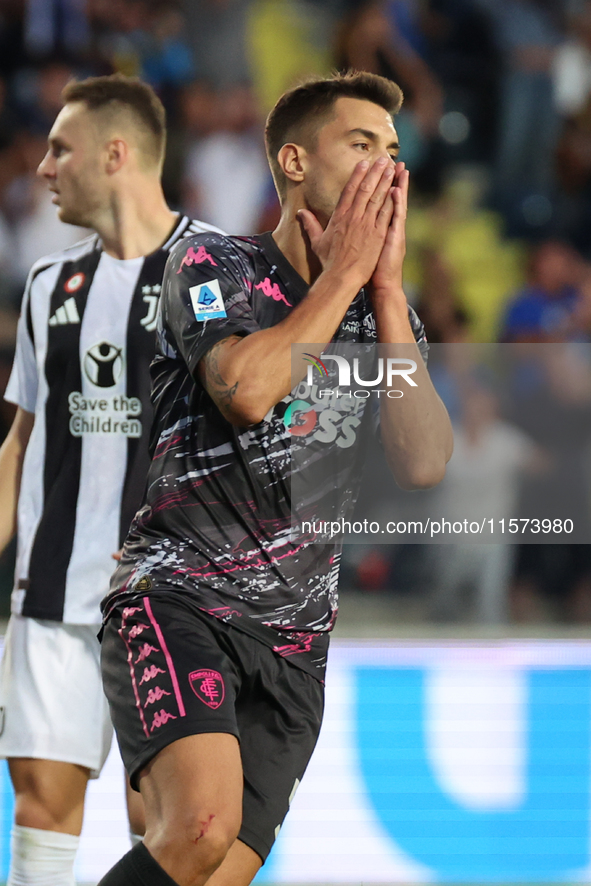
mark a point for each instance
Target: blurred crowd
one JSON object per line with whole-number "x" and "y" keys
{"x": 521, "y": 470}
{"x": 495, "y": 128}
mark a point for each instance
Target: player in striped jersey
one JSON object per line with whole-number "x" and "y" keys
{"x": 77, "y": 451}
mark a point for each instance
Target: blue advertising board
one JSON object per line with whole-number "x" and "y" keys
{"x": 451, "y": 762}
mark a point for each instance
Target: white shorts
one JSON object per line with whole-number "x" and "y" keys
{"x": 52, "y": 705}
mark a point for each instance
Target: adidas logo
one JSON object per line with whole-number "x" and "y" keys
{"x": 67, "y": 313}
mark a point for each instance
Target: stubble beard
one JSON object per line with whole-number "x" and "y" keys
{"x": 71, "y": 218}
{"x": 319, "y": 201}
{"x": 78, "y": 212}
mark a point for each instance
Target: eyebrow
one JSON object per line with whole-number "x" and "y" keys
{"x": 371, "y": 136}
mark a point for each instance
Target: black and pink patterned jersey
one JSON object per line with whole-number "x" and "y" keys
{"x": 216, "y": 520}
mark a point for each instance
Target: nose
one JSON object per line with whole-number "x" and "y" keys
{"x": 46, "y": 168}
{"x": 384, "y": 156}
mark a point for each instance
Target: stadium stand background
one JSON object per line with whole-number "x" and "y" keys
{"x": 496, "y": 129}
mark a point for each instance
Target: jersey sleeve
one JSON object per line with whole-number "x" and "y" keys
{"x": 24, "y": 381}
{"x": 419, "y": 333}
{"x": 206, "y": 295}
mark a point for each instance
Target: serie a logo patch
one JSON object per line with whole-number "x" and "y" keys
{"x": 207, "y": 300}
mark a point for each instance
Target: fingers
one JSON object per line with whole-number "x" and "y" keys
{"x": 311, "y": 226}
{"x": 401, "y": 180}
{"x": 374, "y": 187}
{"x": 386, "y": 212}
{"x": 367, "y": 184}
{"x": 382, "y": 191}
{"x": 351, "y": 188}
{"x": 399, "y": 168}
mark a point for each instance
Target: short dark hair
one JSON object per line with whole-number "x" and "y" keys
{"x": 117, "y": 92}
{"x": 301, "y": 111}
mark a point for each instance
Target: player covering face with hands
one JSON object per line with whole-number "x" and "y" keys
{"x": 216, "y": 628}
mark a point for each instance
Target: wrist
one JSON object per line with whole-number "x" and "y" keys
{"x": 387, "y": 294}
{"x": 389, "y": 304}
{"x": 390, "y": 310}
{"x": 342, "y": 280}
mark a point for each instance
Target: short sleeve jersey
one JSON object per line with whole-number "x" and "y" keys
{"x": 85, "y": 341}
{"x": 216, "y": 522}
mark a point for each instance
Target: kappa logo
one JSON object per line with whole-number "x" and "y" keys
{"x": 136, "y": 630}
{"x": 161, "y": 718}
{"x": 67, "y": 313}
{"x": 208, "y": 686}
{"x": 207, "y": 300}
{"x": 273, "y": 291}
{"x": 146, "y": 650}
{"x": 196, "y": 258}
{"x": 150, "y": 673}
{"x": 156, "y": 694}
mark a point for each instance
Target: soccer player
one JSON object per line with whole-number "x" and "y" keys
{"x": 216, "y": 630}
{"x": 78, "y": 453}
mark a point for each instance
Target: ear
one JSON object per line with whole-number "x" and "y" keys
{"x": 117, "y": 151}
{"x": 292, "y": 160}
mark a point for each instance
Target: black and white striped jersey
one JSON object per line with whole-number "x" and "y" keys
{"x": 85, "y": 341}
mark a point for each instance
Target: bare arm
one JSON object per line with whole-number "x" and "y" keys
{"x": 247, "y": 376}
{"x": 416, "y": 429}
{"x": 12, "y": 454}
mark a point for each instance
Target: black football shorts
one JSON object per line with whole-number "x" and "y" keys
{"x": 170, "y": 671}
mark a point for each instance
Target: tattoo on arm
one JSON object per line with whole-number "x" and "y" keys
{"x": 217, "y": 387}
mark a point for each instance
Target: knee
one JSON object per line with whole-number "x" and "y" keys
{"x": 45, "y": 801}
{"x": 202, "y": 841}
{"x": 212, "y": 838}
{"x": 33, "y": 810}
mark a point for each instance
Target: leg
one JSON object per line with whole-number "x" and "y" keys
{"x": 172, "y": 690}
{"x": 136, "y": 814}
{"x": 57, "y": 734}
{"x": 192, "y": 791}
{"x": 49, "y": 802}
{"x": 279, "y": 712}
{"x": 238, "y": 868}
{"x": 181, "y": 689}
{"x": 49, "y": 795}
